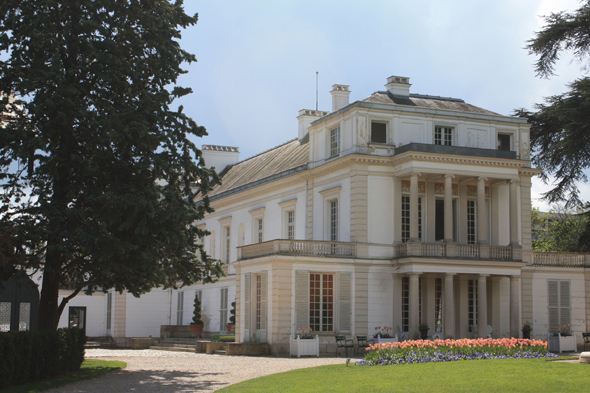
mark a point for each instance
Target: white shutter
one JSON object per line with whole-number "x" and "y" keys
{"x": 553, "y": 303}
{"x": 302, "y": 299}
{"x": 344, "y": 302}
{"x": 263, "y": 299}
{"x": 564, "y": 303}
{"x": 247, "y": 292}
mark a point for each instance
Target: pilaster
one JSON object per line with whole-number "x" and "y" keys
{"x": 361, "y": 299}
{"x": 358, "y": 206}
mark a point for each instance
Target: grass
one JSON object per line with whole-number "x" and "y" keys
{"x": 90, "y": 369}
{"x": 514, "y": 375}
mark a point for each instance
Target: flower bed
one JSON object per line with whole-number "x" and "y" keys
{"x": 422, "y": 351}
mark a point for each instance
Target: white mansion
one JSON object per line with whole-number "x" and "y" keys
{"x": 386, "y": 211}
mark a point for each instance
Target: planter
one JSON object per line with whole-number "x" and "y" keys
{"x": 380, "y": 340}
{"x": 561, "y": 343}
{"x": 304, "y": 347}
{"x": 196, "y": 330}
{"x": 526, "y": 333}
{"x": 424, "y": 333}
{"x": 229, "y": 328}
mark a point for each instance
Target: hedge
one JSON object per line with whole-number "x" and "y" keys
{"x": 33, "y": 355}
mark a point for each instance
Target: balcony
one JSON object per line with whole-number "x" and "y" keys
{"x": 312, "y": 248}
{"x": 461, "y": 251}
{"x": 560, "y": 259}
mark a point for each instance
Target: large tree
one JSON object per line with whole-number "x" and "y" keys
{"x": 560, "y": 127}
{"x": 97, "y": 171}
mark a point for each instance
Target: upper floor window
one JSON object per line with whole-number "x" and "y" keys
{"x": 288, "y": 207}
{"x": 290, "y": 221}
{"x": 378, "y": 132}
{"x": 334, "y": 141}
{"x": 443, "y": 136}
{"x": 227, "y": 244}
{"x": 504, "y": 142}
{"x": 259, "y": 230}
{"x": 334, "y": 220}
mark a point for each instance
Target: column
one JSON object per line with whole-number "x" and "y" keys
{"x": 414, "y": 304}
{"x": 482, "y": 306}
{"x": 513, "y": 213}
{"x": 449, "y": 208}
{"x": 414, "y": 208}
{"x": 449, "y": 307}
{"x": 514, "y": 307}
{"x": 482, "y": 217}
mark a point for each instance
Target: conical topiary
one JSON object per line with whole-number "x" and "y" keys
{"x": 232, "y": 318}
{"x": 197, "y": 311}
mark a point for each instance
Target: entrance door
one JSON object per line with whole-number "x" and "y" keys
{"x": 78, "y": 318}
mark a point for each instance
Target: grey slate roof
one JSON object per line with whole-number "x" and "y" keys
{"x": 426, "y": 101}
{"x": 283, "y": 159}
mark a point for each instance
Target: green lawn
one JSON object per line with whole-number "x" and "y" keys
{"x": 515, "y": 375}
{"x": 90, "y": 368}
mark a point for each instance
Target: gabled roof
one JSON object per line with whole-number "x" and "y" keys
{"x": 426, "y": 101}
{"x": 272, "y": 163}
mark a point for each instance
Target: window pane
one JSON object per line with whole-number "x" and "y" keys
{"x": 5, "y": 311}
{"x": 378, "y": 132}
{"x": 24, "y": 316}
{"x": 504, "y": 142}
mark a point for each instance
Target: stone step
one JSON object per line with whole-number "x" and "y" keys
{"x": 174, "y": 345}
{"x": 174, "y": 349}
{"x": 92, "y": 344}
{"x": 220, "y": 351}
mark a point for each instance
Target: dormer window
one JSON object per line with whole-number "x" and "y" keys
{"x": 334, "y": 141}
{"x": 443, "y": 136}
{"x": 378, "y": 132}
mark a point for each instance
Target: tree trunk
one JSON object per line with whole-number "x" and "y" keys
{"x": 48, "y": 307}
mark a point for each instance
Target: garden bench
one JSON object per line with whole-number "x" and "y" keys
{"x": 343, "y": 342}
{"x": 586, "y": 337}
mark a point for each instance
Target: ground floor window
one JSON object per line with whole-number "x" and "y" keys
{"x": 558, "y": 301}
{"x": 109, "y": 310}
{"x": 438, "y": 306}
{"x": 472, "y": 302}
{"x": 179, "y": 308}
{"x": 405, "y": 304}
{"x": 223, "y": 310}
{"x": 258, "y": 301}
{"x": 321, "y": 302}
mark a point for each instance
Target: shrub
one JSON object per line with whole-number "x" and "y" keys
{"x": 421, "y": 351}
{"x": 33, "y": 355}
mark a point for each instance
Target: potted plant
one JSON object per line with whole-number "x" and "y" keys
{"x": 304, "y": 343}
{"x": 384, "y": 335}
{"x": 526, "y": 330}
{"x": 424, "y": 328}
{"x": 232, "y": 318}
{"x": 196, "y": 325}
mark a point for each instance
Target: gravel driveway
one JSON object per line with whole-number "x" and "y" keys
{"x": 162, "y": 371}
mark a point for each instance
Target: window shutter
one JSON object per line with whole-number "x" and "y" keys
{"x": 263, "y": 299}
{"x": 344, "y": 304}
{"x": 564, "y": 303}
{"x": 553, "y": 303}
{"x": 247, "y": 292}
{"x": 302, "y": 299}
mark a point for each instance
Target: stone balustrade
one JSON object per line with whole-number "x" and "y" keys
{"x": 560, "y": 259}
{"x": 297, "y": 247}
{"x": 454, "y": 250}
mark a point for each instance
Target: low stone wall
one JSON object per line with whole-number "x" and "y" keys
{"x": 134, "y": 343}
{"x": 247, "y": 349}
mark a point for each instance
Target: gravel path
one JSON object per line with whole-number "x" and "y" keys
{"x": 162, "y": 371}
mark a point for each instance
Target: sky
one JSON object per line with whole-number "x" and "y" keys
{"x": 257, "y": 60}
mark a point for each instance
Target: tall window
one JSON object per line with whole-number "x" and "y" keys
{"x": 179, "y": 308}
{"x": 504, "y": 142}
{"x": 558, "y": 299}
{"x": 321, "y": 302}
{"x": 109, "y": 309}
{"x": 378, "y": 132}
{"x": 24, "y": 316}
{"x": 334, "y": 220}
{"x": 290, "y": 224}
{"x": 472, "y": 302}
{"x": 419, "y": 300}
{"x": 227, "y": 243}
{"x": 334, "y": 141}
{"x": 223, "y": 310}
{"x": 259, "y": 230}
{"x": 5, "y": 314}
{"x": 471, "y": 222}
{"x": 406, "y": 218}
{"x": 443, "y": 136}
{"x": 405, "y": 304}
{"x": 258, "y": 301}
{"x": 438, "y": 307}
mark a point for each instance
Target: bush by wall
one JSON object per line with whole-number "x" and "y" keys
{"x": 33, "y": 355}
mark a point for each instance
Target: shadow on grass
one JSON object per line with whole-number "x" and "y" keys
{"x": 147, "y": 380}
